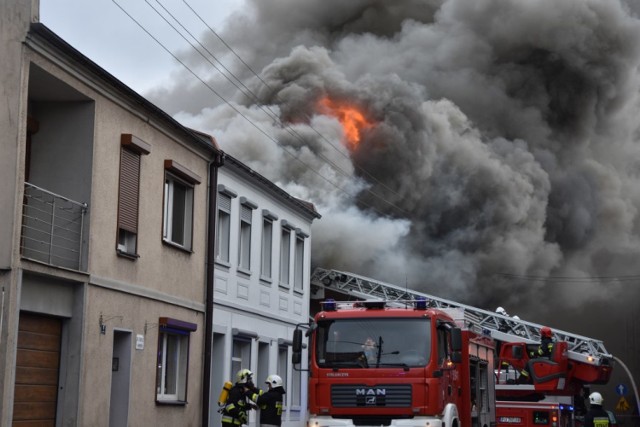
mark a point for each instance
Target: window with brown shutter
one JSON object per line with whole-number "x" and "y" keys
{"x": 129, "y": 189}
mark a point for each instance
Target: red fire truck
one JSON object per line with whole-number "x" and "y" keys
{"x": 402, "y": 365}
{"x": 456, "y": 381}
{"x": 551, "y": 412}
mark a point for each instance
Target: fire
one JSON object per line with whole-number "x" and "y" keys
{"x": 352, "y": 120}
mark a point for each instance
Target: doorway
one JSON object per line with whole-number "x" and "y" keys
{"x": 120, "y": 378}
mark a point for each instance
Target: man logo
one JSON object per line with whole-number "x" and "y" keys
{"x": 371, "y": 400}
{"x": 371, "y": 392}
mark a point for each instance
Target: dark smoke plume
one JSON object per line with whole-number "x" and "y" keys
{"x": 502, "y": 166}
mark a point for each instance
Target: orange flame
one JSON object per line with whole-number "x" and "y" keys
{"x": 352, "y": 120}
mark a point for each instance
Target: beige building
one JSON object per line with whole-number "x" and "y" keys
{"x": 104, "y": 201}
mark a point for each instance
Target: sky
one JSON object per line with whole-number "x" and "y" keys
{"x": 103, "y": 32}
{"x": 486, "y": 151}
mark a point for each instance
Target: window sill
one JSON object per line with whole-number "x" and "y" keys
{"x": 177, "y": 246}
{"x": 171, "y": 402}
{"x": 244, "y": 272}
{"x": 224, "y": 264}
{"x": 127, "y": 255}
{"x": 266, "y": 281}
{"x": 284, "y": 286}
{"x": 298, "y": 291}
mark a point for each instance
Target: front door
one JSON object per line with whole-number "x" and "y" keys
{"x": 37, "y": 370}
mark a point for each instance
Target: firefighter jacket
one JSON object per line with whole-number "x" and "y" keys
{"x": 235, "y": 411}
{"x": 270, "y": 404}
{"x": 596, "y": 417}
{"x": 544, "y": 349}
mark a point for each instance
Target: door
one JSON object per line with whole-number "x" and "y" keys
{"x": 37, "y": 370}
{"x": 120, "y": 379}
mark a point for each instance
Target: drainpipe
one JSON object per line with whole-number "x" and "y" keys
{"x": 208, "y": 316}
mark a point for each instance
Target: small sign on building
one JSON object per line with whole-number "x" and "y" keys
{"x": 139, "y": 342}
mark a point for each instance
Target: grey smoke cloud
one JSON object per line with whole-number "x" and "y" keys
{"x": 505, "y": 140}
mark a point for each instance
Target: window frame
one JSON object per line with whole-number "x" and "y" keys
{"x": 132, "y": 149}
{"x": 285, "y": 254}
{"x": 245, "y": 230}
{"x": 266, "y": 245}
{"x": 223, "y": 219}
{"x": 298, "y": 261}
{"x": 176, "y": 174}
{"x": 169, "y": 328}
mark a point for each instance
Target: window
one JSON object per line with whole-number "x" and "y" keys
{"x": 178, "y": 204}
{"x": 298, "y": 266}
{"x": 223, "y": 231}
{"x": 173, "y": 360}
{"x": 283, "y": 367}
{"x": 296, "y": 385}
{"x": 241, "y": 354}
{"x": 267, "y": 242}
{"x": 285, "y": 255}
{"x": 244, "y": 241}
{"x": 131, "y": 149}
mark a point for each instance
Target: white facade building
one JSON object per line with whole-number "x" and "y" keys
{"x": 261, "y": 286}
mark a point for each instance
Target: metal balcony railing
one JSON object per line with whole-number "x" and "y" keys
{"x": 52, "y": 228}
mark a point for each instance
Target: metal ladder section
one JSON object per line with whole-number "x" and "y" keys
{"x": 502, "y": 328}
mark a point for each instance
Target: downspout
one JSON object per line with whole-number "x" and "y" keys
{"x": 208, "y": 314}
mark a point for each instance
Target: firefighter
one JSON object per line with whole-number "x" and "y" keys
{"x": 236, "y": 409}
{"x": 596, "y": 416}
{"x": 271, "y": 402}
{"x": 369, "y": 349}
{"x": 546, "y": 343}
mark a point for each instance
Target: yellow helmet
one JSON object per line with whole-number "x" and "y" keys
{"x": 243, "y": 376}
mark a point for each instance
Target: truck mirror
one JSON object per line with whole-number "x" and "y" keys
{"x": 516, "y": 352}
{"x": 297, "y": 341}
{"x": 456, "y": 339}
{"x": 456, "y": 357}
{"x": 296, "y": 357}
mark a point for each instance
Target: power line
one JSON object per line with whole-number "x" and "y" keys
{"x": 234, "y": 108}
{"x": 245, "y": 90}
{"x": 570, "y": 279}
{"x": 358, "y": 167}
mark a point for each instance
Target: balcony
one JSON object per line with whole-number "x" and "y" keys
{"x": 53, "y": 229}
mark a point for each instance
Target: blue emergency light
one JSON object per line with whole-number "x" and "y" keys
{"x": 329, "y": 304}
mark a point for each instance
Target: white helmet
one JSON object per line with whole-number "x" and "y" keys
{"x": 243, "y": 376}
{"x": 501, "y": 311}
{"x": 274, "y": 380}
{"x": 516, "y": 317}
{"x": 595, "y": 398}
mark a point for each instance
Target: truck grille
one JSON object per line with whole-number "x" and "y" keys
{"x": 382, "y": 395}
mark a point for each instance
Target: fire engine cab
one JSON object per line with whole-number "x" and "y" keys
{"x": 403, "y": 364}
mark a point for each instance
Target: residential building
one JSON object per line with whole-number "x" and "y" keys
{"x": 104, "y": 201}
{"x": 262, "y": 271}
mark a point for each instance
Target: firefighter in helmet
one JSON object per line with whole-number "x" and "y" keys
{"x": 271, "y": 402}
{"x": 235, "y": 412}
{"x": 596, "y": 416}
{"x": 546, "y": 343}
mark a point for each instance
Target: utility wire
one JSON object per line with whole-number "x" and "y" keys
{"x": 570, "y": 279}
{"x": 306, "y": 116}
{"x": 245, "y": 90}
{"x": 234, "y": 108}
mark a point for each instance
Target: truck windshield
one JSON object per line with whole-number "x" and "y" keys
{"x": 373, "y": 343}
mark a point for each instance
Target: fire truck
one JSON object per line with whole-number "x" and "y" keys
{"x": 556, "y": 411}
{"x": 402, "y": 364}
{"x": 576, "y": 361}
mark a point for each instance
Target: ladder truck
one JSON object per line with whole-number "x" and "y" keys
{"x": 372, "y": 363}
{"x": 576, "y": 360}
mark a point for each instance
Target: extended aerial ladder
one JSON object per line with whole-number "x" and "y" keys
{"x": 589, "y": 361}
